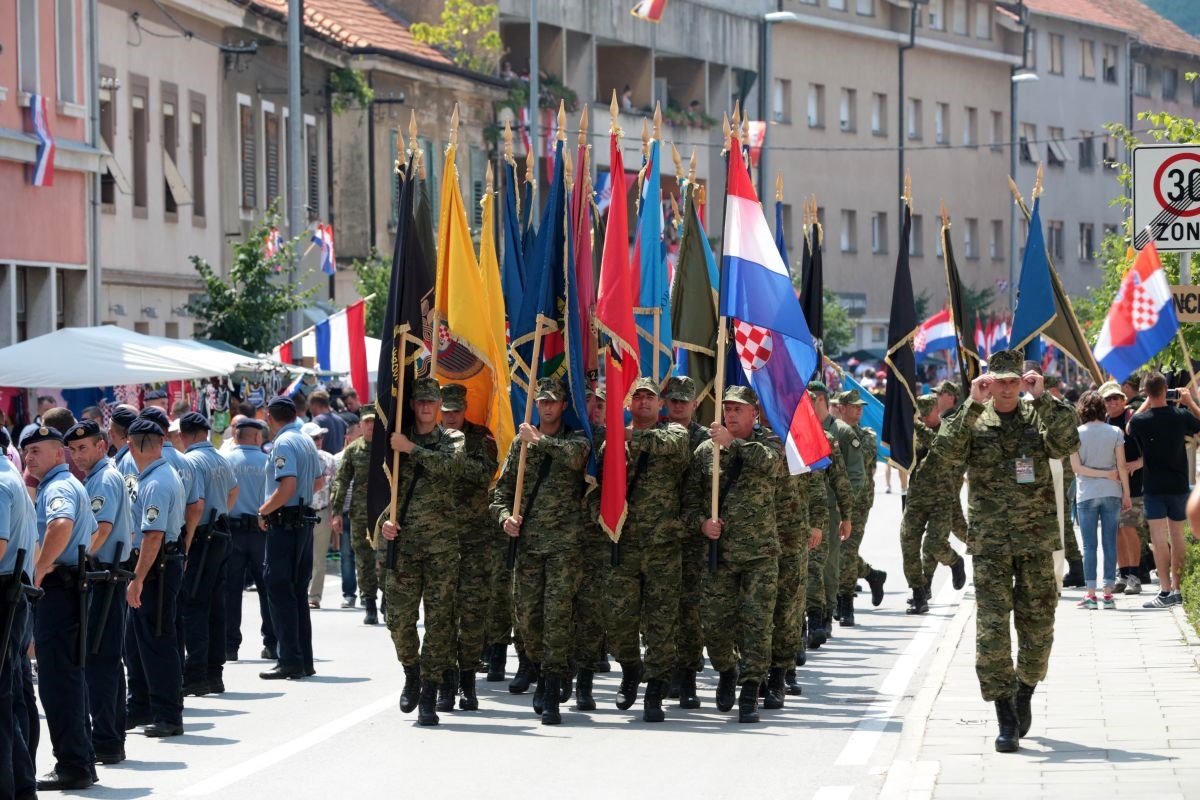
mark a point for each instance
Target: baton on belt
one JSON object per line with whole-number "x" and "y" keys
{"x": 116, "y": 575}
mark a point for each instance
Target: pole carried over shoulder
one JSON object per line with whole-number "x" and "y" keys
{"x": 539, "y": 329}
{"x": 718, "y": 391}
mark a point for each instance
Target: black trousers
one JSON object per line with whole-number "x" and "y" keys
{"x": 61, "y": 683}
{"x": 16, "y": 764}
{"x": 247, "y": 553}
{"x": 287, "y": 592}
{"x": 105, "y": 672}
{"x": 202, "y": 603}
{"x": 155, "y": 671}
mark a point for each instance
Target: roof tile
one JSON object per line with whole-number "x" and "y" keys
{"x": 357, "y": 24}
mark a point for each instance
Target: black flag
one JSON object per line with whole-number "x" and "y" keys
{"x": 968, "y": 359}
{"x": 812, "y": 286}
{"x": 900, "y": 400}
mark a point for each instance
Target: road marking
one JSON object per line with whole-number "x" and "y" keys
{"x": 284, "y": 751}
{"x": 862, "y": 742}
{"x": 834, "y": 793}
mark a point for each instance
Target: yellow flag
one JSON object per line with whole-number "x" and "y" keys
{"x": 493, "y": 302}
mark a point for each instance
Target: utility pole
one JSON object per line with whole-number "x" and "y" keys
{"x": 533, "y": 101}
{"x": 295, "y": 202}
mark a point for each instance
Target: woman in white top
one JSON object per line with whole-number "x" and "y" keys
{"x": 1102, "y": 491}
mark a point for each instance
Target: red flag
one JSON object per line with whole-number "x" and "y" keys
{"x": 284, "y": 352}
{"x": 581, "y": 224}
{"x": 614, "y": 317}
{"x": 650, "y": 10}
{"x": 357, "y": 337}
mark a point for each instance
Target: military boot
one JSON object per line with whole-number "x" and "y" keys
{"x": 603, "y": 664}
{"x": 1074, "y": 578}
{"x": 725, "y": 686}
{"x": 497, "y": 659}
{"x": 427, "y": 706}
{"x": 673, "y": 691}
{"x": 919, "y": 603}
{"x": 847, "y": 601}
{"x": 466, "y": 686}
{"x": 774, "y": 684}
{"x": 447, "y": 690}
{"x": 412, "y": 688}
{"x": 1024, "y": 704}
{"x": 526, "y": 674}
{"x": 958, "y": 573}
{"x": 631, "y": 676}
{"x": 875, "y": 579}
{"x": 827, "y": 627}
{"x": 583, "y": 691}
{"x": 539, "y": 692}
{"x": 793, "y": 685}
{"x": 550, "y": 713}
{"x": 837, "y": 609}
{"x": 371, "y": 617}
{"x": 748, "y": 702}
{"x": 565, "y": 688}
{"x": 802, "y": 653}
{"x": 687, "y": 689}
{"x": 1009, "y": 740}
{"x": 652, "y": 710}
{"x": 815, "y": 637}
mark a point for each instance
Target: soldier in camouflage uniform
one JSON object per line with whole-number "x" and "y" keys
{"x": 947, "y": 403}
{"x": 643, "y": 587}
{"x": 548, "y": 526}
{"x": 1071, "y": 553}
{"x": 739, "y": 598}
{"x": 476, "y": 536}
{"x": 352, "y": 476}
{"x": 822, "y": 577}
{"x": 853, "y": 564}
{"x": 425, "y": 574}
{"x": 1005, "y": 443}
{"x": 680, "y": 396}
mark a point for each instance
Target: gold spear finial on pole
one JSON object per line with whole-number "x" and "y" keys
{"x": 1016, "y": 193}
{"x": 614, "y": 111}
{"x": 645, "y": 139}
{"x": 398, "y": 166}
{"x": 692, "y": 166}
{"x": 489, "y": 180}
{"x": 530, "y": 165}
{"x": 945, "y": 215}
{"x": 908, "y": 198}
{"x": 725, "y": 131}
{"x": 1037, "y": 182}
{"x": 583, "y": 126}
{"x": 658, "y": 121}
{"x": 562, "y": 121}
{"x": 413, "y": 141}
{"x": 678, "y": 163}
{"x": 508, "y": 150}
{"x": 454, "y": 127}
{"x": 779, "y": 187}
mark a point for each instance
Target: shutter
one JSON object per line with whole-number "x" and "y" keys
{"x": 271, "y": 148}
{"x": 478, "y": 186}
{"x": 393, "y": 183}
{"x": 314, "y": 171}
{"x": 249, "y": 158}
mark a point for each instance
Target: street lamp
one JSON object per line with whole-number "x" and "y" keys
{"x": 765, "y": 90}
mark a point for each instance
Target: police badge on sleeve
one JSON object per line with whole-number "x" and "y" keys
{"x": 97, "y": 504}
{"x": 152, "y": 513}
{"x": 131, "y": 487}
{"x": 56, "y": 504}
{"x": 280, "y": 461}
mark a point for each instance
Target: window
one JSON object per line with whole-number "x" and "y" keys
{"x": 996, "y": 136}
{"x": 1023, "y": 237}
{"x": 971, "y": 238}
{"x": 855, "y": 303}
{"x": 312, "y": 166}
{"x": 1108, "y": 152}
{"x": 879, "y": 232}
{"x": 996, "y": 248}
{"x": 959, "y": 20}
{"x": 1170, "y": 83}
{"x": 1087, "y": 241}
{"x": 879, "y": 114}
{"x": 1031, "y": 49}
{"x": 836, "y": 5}
{"x": 938, "y": 245}
{"x": 865, "y": 8}
{"x": 983, "y": 20}
{"x": 1087, "y": 150}
{"x": 941, "y": 123}
{"x": 270, "y": 154}
{"x": 139, "y": 131}
{"x": 848, "y": 110}
{"x": 1087, "y": 59}
{"x": 1057, "y": 148}
{"x": 1141, "y": 79}
{"x": 27, "y": 46}
{"x": 108, "y": 130}
{"x": 937, "y": 15}
{"x": 1056, "y": 54}
{"x": 64, "y": 48}
{"x": 849, "y": 234}
{"x": 248, "y": 150}
{"x": 816, "y": 105}
{"x": 479, "y": 188}
{"x": 170, "y": 145}
{"x": 971, "y": 127}
{"x": 914, "y": 118}
{"x": 1109, "y": 65}
{"x": 781, "y": 95}
{"x": 916, "y": 236}
{"x": 199, "y": 145}
{"x": 1054, "y": 239}
{"x": 1027, "y": 144}
{"x": 878, "y": 334}
{"x": 393, "y": 182}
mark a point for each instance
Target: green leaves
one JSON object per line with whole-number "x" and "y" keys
{"x": 466, "y": 35}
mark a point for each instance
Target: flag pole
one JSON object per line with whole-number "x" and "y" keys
{"x": 718, "y": 391}
{"x": 1187, "y": 357}
{"x": 394, "y": 478}
{"x": 511, "y": 559}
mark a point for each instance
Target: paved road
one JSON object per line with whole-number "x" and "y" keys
{"x": 342, "y": 729}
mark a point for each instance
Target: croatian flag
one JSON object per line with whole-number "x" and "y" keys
{"x": 980, "y": 340}
{"x": 323, "y": 238}
{"x": 935, "y": 334}
{"x": 43, "y": 165}
{"x": 771, "y": 336}
{"x": 273, "y": 245}
{"x": 341, "y": 346}
{"x": 651, "y": 10}
{"x": 1141, "y": 321}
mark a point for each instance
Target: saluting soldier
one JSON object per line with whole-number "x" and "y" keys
{"x": 1006, "y": 444}
{"x": 823, "y": 572}
{"x": 853, "y": 565}
{"x": 105, "y": 672}
{"x": 18, "y": 532}
{"x": 552, "y": 518}
{"x": 351, "y": 479}
{"x": 65, "y": 524}
{"x": 426, "y": 533}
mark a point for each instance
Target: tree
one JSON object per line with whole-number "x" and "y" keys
{"x": 465, "y": 35}
{"x": 373, "y": 277}
{"x": 839, "y": 330}
{"x": 248, "y": 310}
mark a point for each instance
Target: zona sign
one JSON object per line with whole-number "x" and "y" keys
{"x": 1166, "y": 196}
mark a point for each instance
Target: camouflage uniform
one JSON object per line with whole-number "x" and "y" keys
{"x": 690, "y": 651}
{"x": 595, "y": 559}
{"x": 860, "y": 464}
{"x": 1013, "y": 526}
{"x": 739, "y": 599}
{"x": 925, "y": 527}
{"x": 547, "y": 573}
{"x": 798, "y": 509}
{"x": 476, "y": 538}
{"x": 353, "y": 470}
{"x": 840, "y": 501}
{"x": 426, "y": 573}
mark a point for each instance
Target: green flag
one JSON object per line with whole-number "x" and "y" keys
{"x": 694, "y": 308}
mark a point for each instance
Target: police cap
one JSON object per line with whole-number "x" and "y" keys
{"x": 43, "y": 433}
{"x": 144, "y": 427}
{"x": 156, "y": 416}
{"x": 83, "y": 429}
{"x": 123, "y": 416}
{"x": 193, "y": 422}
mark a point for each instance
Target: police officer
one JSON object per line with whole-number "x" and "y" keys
{"x": 106, "y": 631}
{"x": 248, "y": 544}
{"x": 151, "y": 640}
{"x": 292, "y": 480}
{"x": 18, "y": 531}
{"x": 187, "y": 476}
{"x": 118, "y": 439}
{"x": 203, "y": 593}
{"x": 65, "y": 524}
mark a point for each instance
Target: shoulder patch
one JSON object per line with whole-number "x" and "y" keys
{"x": 57, "y": 503}
{"x": 97, "y": 504}
{"x": 279, "y": 462}
{"x": 152, "y": 513}
{"x": 131, "y": 487}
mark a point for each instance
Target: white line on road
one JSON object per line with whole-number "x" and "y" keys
{"x": 284, "y": 751}
{"x": 834, "y": 793}
{"x": 862, "y": 742}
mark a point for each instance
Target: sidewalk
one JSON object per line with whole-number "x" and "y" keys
{"x": 1118, "y": 716}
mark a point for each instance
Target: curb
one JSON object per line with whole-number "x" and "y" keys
{"x": 1188, "y": 632}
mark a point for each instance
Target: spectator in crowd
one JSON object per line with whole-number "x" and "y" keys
{"x": 179, "y": 408}
{"x": 322, "y": 415}
{"x": 94, "y": 414}
{"x": 340, "y": 538}
{"x": 1161, "y": 428}
{"x": 351, "y": 401}
{"x": 320, "y": 504}
{"x": 1101, "y": 492}
{"x": 1132, "y": 531}
{"x": 44, "y": 403}
{"x": 155, "y": 398}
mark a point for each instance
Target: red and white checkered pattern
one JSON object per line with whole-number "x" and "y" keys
{"x": 753, "y": 345}
{"x": 919, "y": 340}
{"x": 1144, "y": 311}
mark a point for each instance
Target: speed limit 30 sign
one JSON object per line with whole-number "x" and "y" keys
{"x": 1166, "y": 196}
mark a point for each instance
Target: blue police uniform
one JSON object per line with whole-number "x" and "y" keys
{"x": 61, "y": 683}
{"x": 289, "y": 547}
{"x": 151, "y": 649}
{"x": 186, "y": 472}
{"x": 203, "y": 598}
{"x": 249, "y": 546}
{"x": 106, "y": 619}
{"x": 18, "y": 530}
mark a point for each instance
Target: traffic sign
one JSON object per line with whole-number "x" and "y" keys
{"x": 1166, "y": 196}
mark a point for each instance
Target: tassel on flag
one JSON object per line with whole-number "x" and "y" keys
{"x": 43, "y": 165}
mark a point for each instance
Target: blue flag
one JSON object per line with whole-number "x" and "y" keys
{"x": 1035, "y": 291}
{"x": 872, "y": 416}
{"x": 654, "y": 290}
{"x": 512, "y": 273}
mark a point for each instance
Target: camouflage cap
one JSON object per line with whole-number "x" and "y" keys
{"x": 551, "y": 389}
{"x": 644, "y": 385}
{"x": 454, "y": 397}
{"x": 947, "y": 387}
{"x": 926, "y": 404}
{"x": 600, "y": 393}
{"x": 369, "y": 414}
{"x": 1052, "y": 381}
{"x": 850, "y": 397}
{"x": 680, "y": 387}
{"x": 740, "y": 394}
{"x": 1006, "y": 364}
{"x": 818, "y": 387}
{"x": 426, "y": 390}
{"x": 1111, "y": 389}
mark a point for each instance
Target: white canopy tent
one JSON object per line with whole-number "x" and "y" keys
{"x": 74, "y": 358}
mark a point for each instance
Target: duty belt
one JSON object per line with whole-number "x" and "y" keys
{"x": 243, "y": 523}
{"x": 288, "y": 516}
